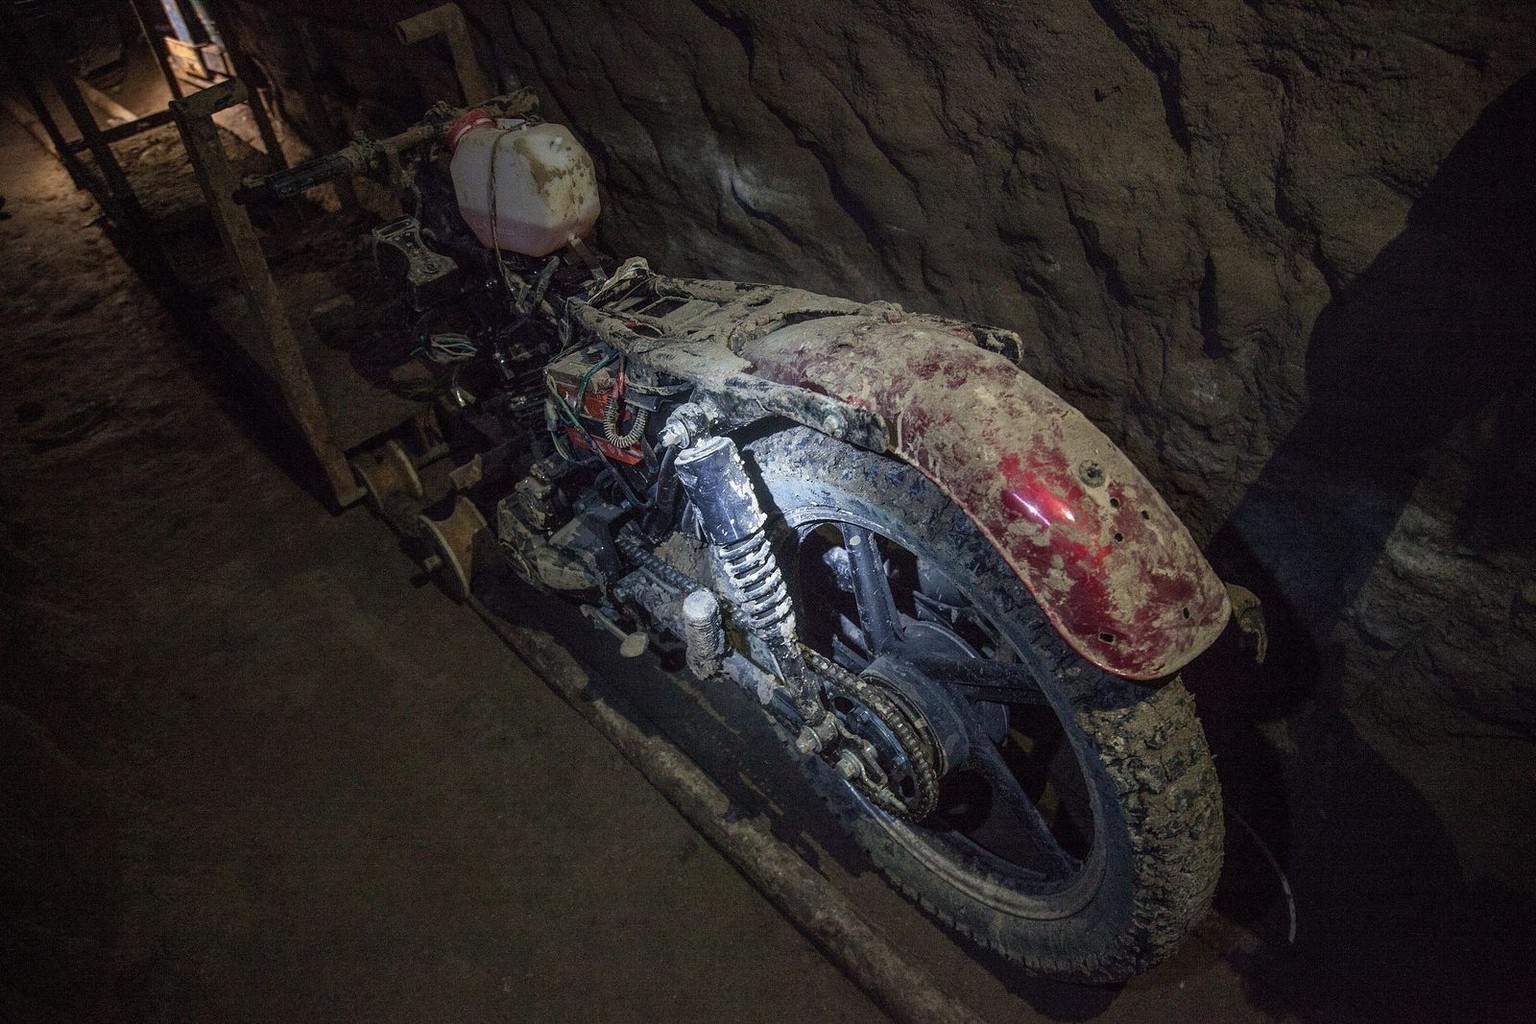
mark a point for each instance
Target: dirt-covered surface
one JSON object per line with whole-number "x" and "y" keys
{"x": 1280, "y": 251}
{"x": 253, "y": 769}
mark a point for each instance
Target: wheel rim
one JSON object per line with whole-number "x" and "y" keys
{"x": 1018, "y": 826}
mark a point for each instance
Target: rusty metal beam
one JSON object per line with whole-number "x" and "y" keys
{"x": 128, "y": 130}
{"x": 194, "y": 118}
{"x": 79, "y": 173}
{"x": 119, "y": 198}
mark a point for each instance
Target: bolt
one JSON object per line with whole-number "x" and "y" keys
{"x": 848, "y": 765}
{"x": 834, "y": 424}
{"x": 808, "y": 742}
{"x": 674, "y": 433}
{"x": 1091, "y": 473}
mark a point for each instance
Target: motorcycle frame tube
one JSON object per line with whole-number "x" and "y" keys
{"x": 1115, "y": 571}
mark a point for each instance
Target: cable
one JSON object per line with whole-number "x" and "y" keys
{"x": 1274, "y": 862}
{"x": 629, "y": 491}
{"x": 448, "y": 347}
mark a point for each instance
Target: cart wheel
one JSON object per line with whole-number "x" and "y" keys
{"x": 388, "y": 475}
{"x": 454, "y": 540}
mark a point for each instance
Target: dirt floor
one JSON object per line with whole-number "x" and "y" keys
{"x": 252, "y": 766}
{"x": 251, "y": 772}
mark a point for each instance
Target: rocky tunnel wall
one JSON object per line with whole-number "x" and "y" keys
{"x": 1281, "y": 251}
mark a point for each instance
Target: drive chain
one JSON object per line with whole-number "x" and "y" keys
{"x": 924, "y": 775}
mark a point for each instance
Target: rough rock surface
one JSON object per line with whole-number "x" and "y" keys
{"x": 1281, "y": 250}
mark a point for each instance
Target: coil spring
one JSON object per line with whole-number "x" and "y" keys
{"x": 611, "y": 417}
{"x": 759, "y": 584}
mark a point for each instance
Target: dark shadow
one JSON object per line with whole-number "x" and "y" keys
{"x": 241, "y": 387}
{"x": 61, "y": 899}
{"x": 725, "y": 731}
{"x": 173, "y": 250}
{"x": 1425, "y": 357}
{"x": 1436, "y": 333}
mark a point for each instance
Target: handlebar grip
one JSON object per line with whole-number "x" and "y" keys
{"x": 289, "y": 183}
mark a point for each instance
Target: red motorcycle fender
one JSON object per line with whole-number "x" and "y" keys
{"x": 1113, "y": 568}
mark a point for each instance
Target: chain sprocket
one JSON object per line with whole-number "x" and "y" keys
{"x": 924, "y": 795}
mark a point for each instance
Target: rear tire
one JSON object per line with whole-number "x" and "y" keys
{"x": 1144, "y": 850}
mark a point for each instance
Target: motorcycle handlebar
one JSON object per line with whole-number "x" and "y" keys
{"x": 289, "y": 183}
{"x": 364, "y": 153}
{"x": 359, "y": 156}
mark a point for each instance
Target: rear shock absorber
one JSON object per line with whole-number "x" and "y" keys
{"x": 712, "y": 473}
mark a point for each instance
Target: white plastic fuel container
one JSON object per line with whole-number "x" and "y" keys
{"x": 528, "y": 188}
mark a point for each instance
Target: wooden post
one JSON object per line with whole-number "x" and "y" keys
{"x": 157, "y": 47}
{"x": 65, "y": 151}
{"x": 325, "y": 134}
{"x": 218, "y": 14}
{"x": 117, "y": 195}
{"x": 194, "y": 117}
{"x": 448, "y": 22}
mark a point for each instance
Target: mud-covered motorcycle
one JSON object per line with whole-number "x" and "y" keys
{"x": 945, "y": 583}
